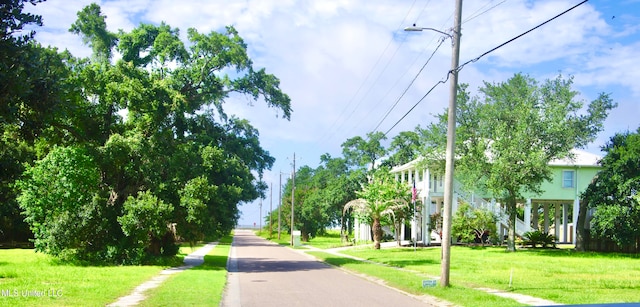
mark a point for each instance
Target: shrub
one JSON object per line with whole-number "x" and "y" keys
{"x": 538, "y": 237}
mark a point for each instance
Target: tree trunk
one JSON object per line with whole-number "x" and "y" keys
{"x": 342, "y": 230}
{"x": 398, "y": 232}
{"x": 581, "y": 232}
{"x": 377, "y": 233}
{"x": 511, "y": 236}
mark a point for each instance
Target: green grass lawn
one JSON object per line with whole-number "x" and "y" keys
{"x": 412, "y": 282}
{"x": 28, "y": 278}
{"x": 200, "y": 286}
{"x": 560, "y": 275}
{"x": 329, "y": 240}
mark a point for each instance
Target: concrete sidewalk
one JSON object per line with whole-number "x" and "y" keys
{"x": 194, "y": 259}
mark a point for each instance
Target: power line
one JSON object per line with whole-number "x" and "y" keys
{"x": 478, "y": 58}
{"x": 472, "y": 16}
{"x": 398, "y": 79}
{"x": 409, "y": 86}
{"x": 416, "y": 104}
{"x": 521, "y": 35}
{"x": 329, "y": 131}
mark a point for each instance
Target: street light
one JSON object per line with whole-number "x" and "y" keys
{"x": 451, "y": 142}
{"x": 419, "y": 29}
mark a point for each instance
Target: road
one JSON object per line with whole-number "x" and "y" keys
{"x": 262, "y": 273}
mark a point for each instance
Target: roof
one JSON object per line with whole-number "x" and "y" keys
{"x": 406, "y": 166}
{"x": 580, "y": 158}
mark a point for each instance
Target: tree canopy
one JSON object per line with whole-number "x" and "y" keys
{"x": 507, "y": 135}
{"x": 614, "y": 193}
{"x": 139, "y": 152}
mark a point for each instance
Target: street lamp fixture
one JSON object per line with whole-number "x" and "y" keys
{"x": 419, "y": 29}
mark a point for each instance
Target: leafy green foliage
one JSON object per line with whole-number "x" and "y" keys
{"x": 145, "y": 216}
{"x": 361, "y": 152}
{"x": 537, "y": 237}
{"x": 473, "y": 224}
{"x": 381, "y": 197}
{"x": 320, "y": 196}
{"x": 58, "y": 194}
{"x": 176, "y": 165}
{"x": 614, "y": 192}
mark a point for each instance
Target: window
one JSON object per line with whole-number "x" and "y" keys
{"x": 568, "y": 179}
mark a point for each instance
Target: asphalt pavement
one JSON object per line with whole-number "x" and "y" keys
{"x": 262, "y": 273}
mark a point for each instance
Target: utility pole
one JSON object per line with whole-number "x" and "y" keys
{"x": 260, "y": 223}
{"x": 270, "y": 210}
{"x": 279, "y": 204}
{"x": 450, "y": 150}
{"x": 293, "y": 194}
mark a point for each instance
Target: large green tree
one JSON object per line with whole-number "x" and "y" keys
{"x": 39, "y": 107}
{"x": 170, "y": 161}
{"x": 614, "y": 194}
{"x": 404, "y": 147}
{"x": 508, "y": 134}
{"x": 362, "y": 153}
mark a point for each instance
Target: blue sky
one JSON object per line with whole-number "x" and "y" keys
{"x": 344, "y": 63}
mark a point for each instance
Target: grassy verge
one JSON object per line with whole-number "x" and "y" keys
{"x": 199, "y": 286}
{"x": 412, "y": 282}
{"x": 33, "y": 279}
{"x": 285, "y": 238}
{"x": 561, "y": 275}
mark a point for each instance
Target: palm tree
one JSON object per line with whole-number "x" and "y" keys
{"x": 381, "y": 197}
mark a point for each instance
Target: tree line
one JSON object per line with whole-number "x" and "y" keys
{"x": 506, "y": 136}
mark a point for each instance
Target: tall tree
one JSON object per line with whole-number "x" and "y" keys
{"x": 361, "y": 152}
{"x": 509, "y": 134}
{"x": 177, "y": 161}
{"x": 614, "y": 194}
{"x": 39, "y": 107}
{"x": 404, "y": 147}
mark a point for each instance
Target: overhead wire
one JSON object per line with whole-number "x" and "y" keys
{"x": 473, "y": 16}
{"x": 409, "y": 85}
{"x": 329, "y": 131}
{"x": 457, "y": 69}
{"x": 521, "y": 35}
{"x": 402, "y": 23}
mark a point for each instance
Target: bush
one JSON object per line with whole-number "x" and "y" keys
{"x": 538, "y": 237}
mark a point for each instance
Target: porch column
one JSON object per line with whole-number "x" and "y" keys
{"x": 545, "y": 208}
{"x": 535, "y": 217}
{"x": 426, "y": 209}
{"x": 527, "y": 216}
{"x": 565, "y": 222}
{"x": 413, "y": 177}
{"x": 576, "y": 207}
{"x": 556, "y": 224}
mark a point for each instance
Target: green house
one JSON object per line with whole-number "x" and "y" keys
{"x": 554, "y": 211}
